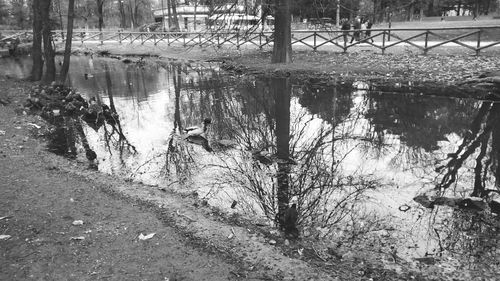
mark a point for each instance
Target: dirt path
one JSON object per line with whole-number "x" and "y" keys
{"x": 43, "y": 202}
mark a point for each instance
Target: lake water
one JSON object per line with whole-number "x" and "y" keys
{"x": 355, "y": 156}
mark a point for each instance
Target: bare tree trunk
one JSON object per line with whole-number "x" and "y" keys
{"x": 169, "y": 14}
{"x": 194, "y": 16}
{"x": 174, "y": 15}
{"x": 132, "y": 15}
{"x": 411, "y": 11}
{"x": 36, "y": 51}
{"x": 48, "y": 50}
{"x": 282, "y": 49}
{"x": 123, "y": 20}
{"x": 162, "y": 16}
{"x": 69, "y": 37}
{"x": 100, "y": 14}
{"x": 59, "y": 13}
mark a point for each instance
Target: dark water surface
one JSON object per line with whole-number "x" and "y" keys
{"x": 355, "y": 157}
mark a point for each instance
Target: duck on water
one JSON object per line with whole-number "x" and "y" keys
{"x": 197, "y": 135}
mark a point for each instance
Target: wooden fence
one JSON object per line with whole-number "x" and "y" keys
{"x": 475, "y": 39}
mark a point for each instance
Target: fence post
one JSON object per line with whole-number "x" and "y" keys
{"x": 426, "y": 41}
{"x": 390, "y": 25}
{"x": 478, "y": 42}
{"x": 383, "y": 42}
{"x": 314, "y": 42}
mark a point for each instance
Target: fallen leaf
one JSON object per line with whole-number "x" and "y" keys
{"x": 77, "y": 238}
{"x": 146, "y": 237}
{"x": 78, "y": 222}
{"x": 5, "y": 237}
{"x": 35, "y": 125}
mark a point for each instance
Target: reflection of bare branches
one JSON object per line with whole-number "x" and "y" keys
{"x": 478, "y": 136}
{"x": 176, "y": 162}
{"x": 121, "y": 143}
{"x": 178, "y": 159}
{"x": 254, "y": 179}
{"x": 326, "y": 197}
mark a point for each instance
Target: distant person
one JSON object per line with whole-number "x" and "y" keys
{"x": 13, "y": 46}
{"x": 357, "y": 26}
{"x": 363, "y": 27}
{"x": 368, "y": 31}
{"x": 345, "y": 27}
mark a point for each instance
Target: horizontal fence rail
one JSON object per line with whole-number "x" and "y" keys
{"x": 471, "y": 38}
{"x": 475, "y": 39}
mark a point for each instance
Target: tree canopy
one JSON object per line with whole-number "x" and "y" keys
{"x": 134, "y": 13}
{"x": 379, "y": 9}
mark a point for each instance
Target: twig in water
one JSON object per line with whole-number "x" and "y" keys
{"x": 185, "y": 216}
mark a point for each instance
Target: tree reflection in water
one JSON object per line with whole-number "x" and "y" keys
{"x": 483, "y": 135}
{"x": 179, "y": 159}
{"x": 121, "y": 143}
{"x": 471, "y": 169}
{"x": 282, "y": 157}
{"x": 469, "y": 232}
{"x": 190, "y": 85}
